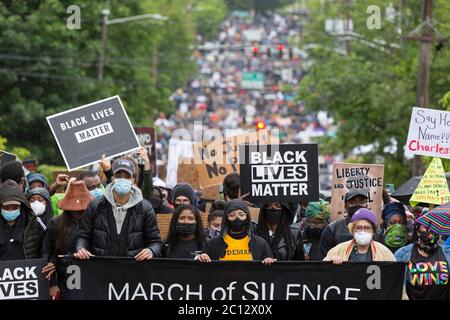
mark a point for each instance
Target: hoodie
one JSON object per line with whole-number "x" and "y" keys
{"x": 27, "y": 230}
{"x": 120, "y": 212}
{"x": 48, "y": 214}
{"x": 277, "y": 241}
{"x": 216, "y": 247}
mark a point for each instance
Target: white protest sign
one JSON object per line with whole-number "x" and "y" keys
{"x": 429, "y": 133}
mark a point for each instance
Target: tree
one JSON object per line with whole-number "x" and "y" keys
{"x": 46, "y": 68}
{"x": 370, "y": 92}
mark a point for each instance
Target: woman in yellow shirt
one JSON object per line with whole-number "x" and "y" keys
{"x": 237, "y": 240}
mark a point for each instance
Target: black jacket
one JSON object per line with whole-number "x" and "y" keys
{"x": 337, "y": 232}
{"x": 216, "y": 247}
{"x": 280, "y": 250}
{"x": 29, "y": 231}
{"x": 98, "y": 232}
{"x": 49, "y": 245}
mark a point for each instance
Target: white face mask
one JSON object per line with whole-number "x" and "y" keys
{"x": 363, "y": 238}
{"x": 38, "y": 207}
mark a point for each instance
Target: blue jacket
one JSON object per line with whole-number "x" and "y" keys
{"x": 404, "y": 253}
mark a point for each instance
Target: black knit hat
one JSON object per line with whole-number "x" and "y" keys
{"x": 183, "y": 189}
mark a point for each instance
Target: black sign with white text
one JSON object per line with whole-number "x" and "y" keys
{"x": 86, "y": 133}
{"x": 280, "y": 173}
{"x": 23, "y": 279}
{"x": 146, "y": 137}
{"x": 103, "y": 278}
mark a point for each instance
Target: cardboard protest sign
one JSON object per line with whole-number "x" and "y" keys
{"x": 188, "y": 172}
{"x": 280, "y": 173}
{"x": 356, "y": 176}
{"x": 220, "y": 157}
{"x": 163, "y": 221}
{"x": 85, "y": 133}
{"x": 177, "y": 149}
{"x": 146, "y": 137}
{"x": 433, "y": 187}
{"x": 429, "y": 133}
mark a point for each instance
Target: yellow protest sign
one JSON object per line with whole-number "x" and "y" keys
{"x": 433, "y": 187}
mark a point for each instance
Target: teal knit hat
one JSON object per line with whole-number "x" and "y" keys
{"x": 319, "y": 209}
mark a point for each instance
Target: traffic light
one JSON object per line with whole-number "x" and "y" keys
{"x": 269, "y": 53}
{"x": 260, "y": 125}
{"x": 255, "y": 51}
{"x": 280, "y": 50}
{"x": 291, "y": 53}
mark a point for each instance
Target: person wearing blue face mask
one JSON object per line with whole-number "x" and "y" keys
{"x": 93, "y": 183}
{"x": 20, "y": 233}
{"x": 121, "y": 223}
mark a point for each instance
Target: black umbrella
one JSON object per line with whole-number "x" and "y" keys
{"x": 406, "y": 190}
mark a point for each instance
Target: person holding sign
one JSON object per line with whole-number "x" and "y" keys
{"x": 275, "y": 226}
{"x": 62, "y": 234}
{"x": 237, "y": 240}
{"x": 317, "y": 217}
{"x": 362, "y": 247}
{"x": 337, "y": 231}
{"x": 121, "y": 223}
{"x": 427, "y": 266}
{"x": 394, "y": 226}
{"x": 186, "y": 235}
{"x": 20, "y": 233}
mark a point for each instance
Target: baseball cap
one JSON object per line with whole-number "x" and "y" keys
{"x": 356, "y": 192}
{"x": 123, "y": 165}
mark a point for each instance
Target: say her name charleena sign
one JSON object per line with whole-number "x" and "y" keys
{"x": 429, "y": 133}
{"x": 86, "y": 133}
{"x": 280, "y": 173}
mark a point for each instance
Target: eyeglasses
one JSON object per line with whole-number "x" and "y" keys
{"x": 316, "y": 225}
{"x": 273, "y": 206}
{"x": 363, "y": 228}
{"x": 182, "y": 201}
{"x": 241, "y": 215}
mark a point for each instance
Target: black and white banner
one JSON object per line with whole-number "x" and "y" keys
{"x": 23, "y": 279}
{"x": 86, "y": 133}
{"x": 281, "y": 173}
{"x": 105, "y": 278}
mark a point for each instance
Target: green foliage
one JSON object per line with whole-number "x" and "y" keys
{"x": 208, "y": 15}
{"x": 46, "y": 68}
{"x": 3, "y": 143}
{"x": 370, "y": 92}
{"x": 257, "y": 5}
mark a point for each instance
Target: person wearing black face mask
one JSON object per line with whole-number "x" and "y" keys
{"x": 275, "y": 226}
{"x": 237, "y": 241}
{"x": 186, "y": 235}
{"x": 317, "y": 217}
{"x": 427, "y": 268}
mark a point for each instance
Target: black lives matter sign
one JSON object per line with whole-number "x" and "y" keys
{"x": 281, "y": 173}
{"x": 86, "y": 133}
{"x": 23, "y": 279}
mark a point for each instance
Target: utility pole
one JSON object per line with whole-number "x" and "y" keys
{"x": 101, "y": 62}
{"x": 423, "y": 76}
{"x": 154, "y": 64}
{"x": 348, "y": 44}
{"x": 106, "y": 23}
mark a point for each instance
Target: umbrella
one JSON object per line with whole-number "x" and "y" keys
{"x": 406, "y": 190}
{"x": 437, "y": 219}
